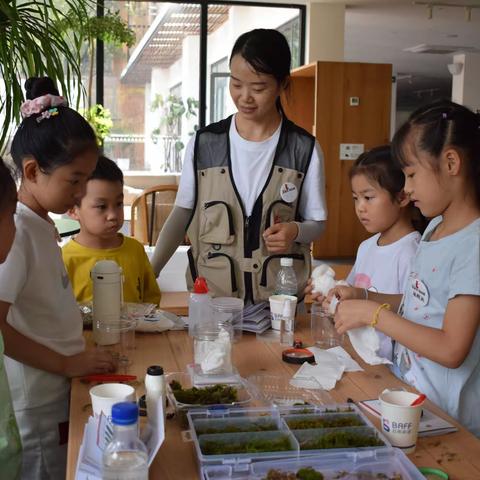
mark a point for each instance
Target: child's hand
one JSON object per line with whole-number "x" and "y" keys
{"x": 89, "y": 362}
{"x": 354, "y": 314}
{"x": 316, "y": 296}
{"x": 280, "y": 236}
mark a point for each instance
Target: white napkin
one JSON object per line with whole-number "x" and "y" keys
{"x": 323, "y": 375}
{"x": 366, "y": 343}
{"x": 159, "y": 321}
{"x": 343, "y": 356}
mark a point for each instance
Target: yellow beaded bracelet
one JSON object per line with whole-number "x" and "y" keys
{"x": 374, "y": 321}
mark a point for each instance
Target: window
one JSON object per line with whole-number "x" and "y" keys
{"x": 291, "y": 30}
{"x": 153, "y": 90}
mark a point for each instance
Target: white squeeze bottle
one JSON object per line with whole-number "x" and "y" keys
{"x": 125, "y": 457}
{"x": 199, "y": 306}
{"x": 154, "y": 392}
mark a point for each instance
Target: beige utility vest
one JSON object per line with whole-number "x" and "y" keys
{"x": 227, "y": 246}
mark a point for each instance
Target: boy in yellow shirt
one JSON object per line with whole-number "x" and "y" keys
{"x": 100, "y": 214}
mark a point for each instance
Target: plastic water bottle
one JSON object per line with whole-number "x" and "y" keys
{"x": 199, "y": 306}
{"x": 125, "y": 457}
{"x": 286, "y": 278}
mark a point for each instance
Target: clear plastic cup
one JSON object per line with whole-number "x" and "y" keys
{"x": 229, "y": 310}
{"x": 323, "y": 329}
{"x": 122, "y": 339}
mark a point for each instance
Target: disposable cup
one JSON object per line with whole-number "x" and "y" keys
{"x": 323, "y": 329}
{"x": 399, "y": 419}
{"x": 107, "y": 394}
{"x": 276, "y": 308}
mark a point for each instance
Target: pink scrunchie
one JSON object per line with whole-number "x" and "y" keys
{"x": 39, "y": 104}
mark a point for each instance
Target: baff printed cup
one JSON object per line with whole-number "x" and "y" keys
{"x": 276, "y": 308}
{"x": 399, "y": 419}
{"x": 105, "y": 395}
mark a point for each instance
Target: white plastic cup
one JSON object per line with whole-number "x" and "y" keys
{"x": 276, "y": 308}
{"x": 107, "y": 394}
{"x": 399, "y": 419}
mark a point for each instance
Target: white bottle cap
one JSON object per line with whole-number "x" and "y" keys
{"x": 286, "y": 262}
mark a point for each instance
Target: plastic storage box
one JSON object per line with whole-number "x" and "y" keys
{"x": 185, "y": 380}
{"x": 385, "y": 464}
{"x": 240, "y": 438}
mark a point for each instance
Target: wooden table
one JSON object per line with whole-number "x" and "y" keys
{"x": 456, "y": 453}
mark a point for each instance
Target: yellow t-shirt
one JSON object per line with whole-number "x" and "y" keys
{"x": 140, "y": 284}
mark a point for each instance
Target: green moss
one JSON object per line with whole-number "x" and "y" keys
{"x": 211, "y": 395}
{"x": 252, "y": 445}
{"x": 246, "y": 427}
{"x": 340, "y": 440}
{"x": 325, "y": 422}
{"x": 303, "y": 474}
{"x": 339, "y": 410}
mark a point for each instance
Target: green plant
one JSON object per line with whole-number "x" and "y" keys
{"x": 110, "y": 28}
{"x": 216, "y": 394}
{"x": 33, "y": 43}
{"x": 325, "y": 421}
{"x": 172, "y": 109}
{"x": 250, "y": 445}
{"x": 100, "y": 119}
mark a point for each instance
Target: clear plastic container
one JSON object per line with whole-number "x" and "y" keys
{"x": 229, "y": 311}
{"x": 387, "y": 464}
{"x": 242, "y": 394}
{"x": 277, "y": 391}
{"x": 323, "y": 420}
{"x": 212, "y": 349}
{"x": 286, "y": 283}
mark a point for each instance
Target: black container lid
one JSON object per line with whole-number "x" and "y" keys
{"x": 155, "y": 370}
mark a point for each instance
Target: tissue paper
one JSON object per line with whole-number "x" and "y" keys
{"x": 366, "y": 343}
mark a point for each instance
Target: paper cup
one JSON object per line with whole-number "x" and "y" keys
{"x": 107, "y": 394}
{"x": 400, "y": 420}
{"x": 276, "y": 308}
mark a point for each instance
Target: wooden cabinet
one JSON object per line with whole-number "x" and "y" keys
{"x": 319, "y": 101}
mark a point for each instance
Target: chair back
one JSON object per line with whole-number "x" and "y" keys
{"x": 149, "y": 212}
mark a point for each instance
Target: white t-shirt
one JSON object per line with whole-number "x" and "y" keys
{"x": 384, "y": 269}
{"x": 34, "y": 281}
{"x": 251, "y": 164}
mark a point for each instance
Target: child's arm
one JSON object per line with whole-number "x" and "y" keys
{"x": 26, "y": 350}
{"x": 448, "y": 346}
{"x": 151, "y": 290}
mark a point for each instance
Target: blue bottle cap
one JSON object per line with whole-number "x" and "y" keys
{"x": 125, "y": 413}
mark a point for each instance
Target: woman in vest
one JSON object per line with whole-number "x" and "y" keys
{"x": 252, "y": 185}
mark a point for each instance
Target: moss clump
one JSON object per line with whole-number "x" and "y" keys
{"x": 251, "y": 445}
{"x": 325, "y": 422}
{"x": 303, "y": 474}
{"x": 246, "y": 427}
{"x": 340, "y": 440}
{"x": 339, "y": 410}
{"x": 212, "y": 395}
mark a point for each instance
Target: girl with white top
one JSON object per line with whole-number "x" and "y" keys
{"x": 383, "y": 261}
{"x": 256, "y": 169}
{"x": 55, "y": 152}
{"x": 436, "y": 332}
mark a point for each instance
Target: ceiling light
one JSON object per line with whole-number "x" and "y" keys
{"x": 438, "y": 49}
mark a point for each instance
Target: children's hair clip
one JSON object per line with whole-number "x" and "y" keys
{"x": 51, "y": 112}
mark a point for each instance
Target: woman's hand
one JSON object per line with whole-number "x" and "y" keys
{"x": 316, "y": 296}
{"x": 354, "y": 314}
{"x": 280, "y": 237}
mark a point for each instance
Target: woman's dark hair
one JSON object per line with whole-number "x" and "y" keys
{"x": 436, "y": 126}
{"x": 267, "y": 51}
{"x": 54, "y": 141}
{"x": 8, "y": 190}
{"x": 38, "y": 86}
{"x": 379, "y": 166}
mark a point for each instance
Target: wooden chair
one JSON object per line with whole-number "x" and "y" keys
{"x": 149, "y": 212}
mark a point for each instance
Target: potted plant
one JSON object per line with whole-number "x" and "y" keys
{"x": 172, "y": 109}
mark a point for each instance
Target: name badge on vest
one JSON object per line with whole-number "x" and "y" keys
{"x": 419, "y": 291}
{"x": 288, "y": 192}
